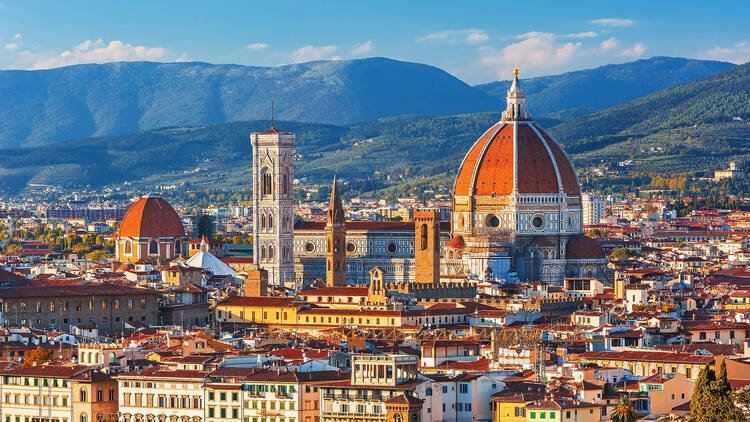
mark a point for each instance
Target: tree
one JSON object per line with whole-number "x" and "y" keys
{"x": 624, "y": 411}
{"x": 713, "y": 398}
{"x": 726, "y": 408}
{"x": 701, "y": 402}
{"x": 205, "y": 226}
{"x": 96, "y": 256}
{"x": 620, "y": 253}
{"x": 37, "y": 356}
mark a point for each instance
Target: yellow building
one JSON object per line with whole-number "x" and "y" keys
{"x": 562, "y": 410}
{"x": 509, "y": 408}
{"x": 258, "y": 310}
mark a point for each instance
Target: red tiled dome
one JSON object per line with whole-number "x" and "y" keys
{"x": 456, "y": 242}
{"x": 151, "y": 217}
{"x": 520, "y": 153}
{"x": 583, "y": 247}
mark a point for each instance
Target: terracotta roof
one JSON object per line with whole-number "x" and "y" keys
{"x": 272, "y": 131}
{"x": 336, "y": 291}
{"x": 648, "y": 356}
{"x": 404, "y": 399}
{"x": 151, "y": 217}
{"x": 456, "y": 242}
{"x": 489, "y": 168}
{"x": 76, "y": 290}
{"x": 583, "y": 247}
{"x": 46, "y": 371}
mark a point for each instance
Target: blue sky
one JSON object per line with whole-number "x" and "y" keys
{"x": 477, "y": 41}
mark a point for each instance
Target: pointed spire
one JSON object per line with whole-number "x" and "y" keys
{"x": 516, "y": 101}
{"x": 335, "y": 209}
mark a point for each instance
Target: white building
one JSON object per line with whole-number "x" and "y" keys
{"x": 594, "y": 208}
{"x": 161, "y": 394}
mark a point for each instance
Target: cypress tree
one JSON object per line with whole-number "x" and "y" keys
{"x": 703, "y": 402}
{"x": 724, "y": 402}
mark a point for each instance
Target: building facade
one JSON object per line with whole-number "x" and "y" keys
{"x": 273, "y": 204}
{"x": 517, "y": 201}
{"x": 594, "y": 208}
{"x": 150, "y": 231}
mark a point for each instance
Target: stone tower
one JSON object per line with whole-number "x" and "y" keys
{"x": 273, "y": 204}
{"x": 256, "y": 282}
{"x": 376, "y": 294}
{"x": 335, "y": 240}
{"x": 403, "y": 408}
{"x": 426, "y": 246}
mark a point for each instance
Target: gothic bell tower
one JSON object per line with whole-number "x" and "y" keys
{"x": 273, "y": 204}
{"x": 335, "y": 240}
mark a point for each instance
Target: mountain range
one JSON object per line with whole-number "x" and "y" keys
{"x": 587, "y": 90}
{"x": 45, "y": 106}
{"x": 694, "y": 126}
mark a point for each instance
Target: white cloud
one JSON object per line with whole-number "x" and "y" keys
{"x": 470, "y": 36}
{"x": 11, "y": 46}
{"x": 539, "y": 51}
{"x": 738, "y": 53}
{"x": 257, "y": 46}
{"x": 311, "y": 52}
{"x": 620, "y": 23}
{"x": 635, "y": 51}
{"x": 609, "y": 44}
{"x": 588, "y": 34}
{"x": 17, "y": 36}
{"x": 99, "y": 52}
{"x": 183, "y": 57}
{"x": 363, "y": 48}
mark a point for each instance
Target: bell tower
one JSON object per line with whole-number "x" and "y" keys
{"x": 273, "y": 204}
{"x": 335, "y": 240}
{"x": 427, "y": 246}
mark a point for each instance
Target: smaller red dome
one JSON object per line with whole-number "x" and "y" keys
{"x": 583, "y": 247}
{"x": 151, "y": 217}
{"x": 456, "y": 242}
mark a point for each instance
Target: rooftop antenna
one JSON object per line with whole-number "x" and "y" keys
{"x": 272, "y": 125}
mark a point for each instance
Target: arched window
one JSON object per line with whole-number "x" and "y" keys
{"x": 153, "y": 248}
{"x": 262, "y": 253}
{"x": 128, "y": 247}
{"x": 266, "y": 187}
{"x": 83, "y": 398}
{"x": 177, "y": 247}
{"x": 423, "y": 236}
{"x": 270, "y": 222}
{"x": 263, "y": 221}
{"x": 83, "y": 417}
{"x": 398, "y": 418}
{"x": 270, "y": 253}
{"x": 285, "y": 182}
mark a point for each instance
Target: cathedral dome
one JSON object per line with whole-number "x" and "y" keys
{"x": 516, "y": 155}
{"x": 151, "y": 217}
{"x": 583, "y": 247}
